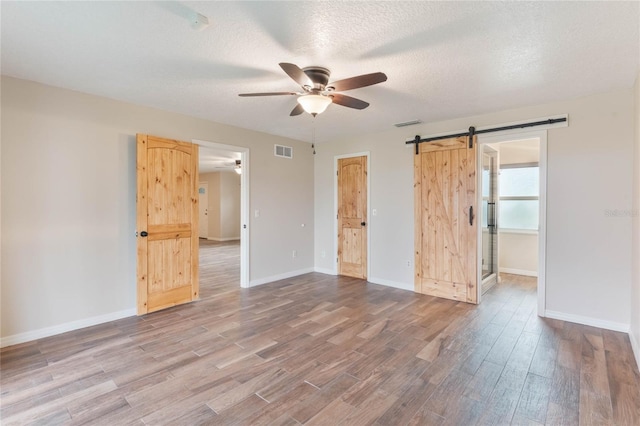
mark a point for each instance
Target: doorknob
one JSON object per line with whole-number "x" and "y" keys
{"x": 144, "y": 234}
{"x": 363, "y": 223}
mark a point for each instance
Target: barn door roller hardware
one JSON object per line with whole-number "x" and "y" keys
{"x": 472, "y": 132}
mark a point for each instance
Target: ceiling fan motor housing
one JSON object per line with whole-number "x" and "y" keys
{"x": 319, "y": 75}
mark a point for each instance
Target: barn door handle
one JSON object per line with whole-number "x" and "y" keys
{"x": 363, "y": 223}
{"x": 144, "y": 233}
{"x": 471, "y": 215}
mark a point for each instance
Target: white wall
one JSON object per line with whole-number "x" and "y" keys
{"x": 635, "y": 293}
{"x": 589, "y": 172}
{"x": 68, "y": 204}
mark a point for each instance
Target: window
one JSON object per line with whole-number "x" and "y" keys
{"x": 519, "y": 186}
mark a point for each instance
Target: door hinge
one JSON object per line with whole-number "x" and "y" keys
{"x": 336, "y": 260}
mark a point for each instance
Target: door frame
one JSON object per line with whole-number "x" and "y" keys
{"x": 244, "y": 204}
{"x": 367, "y": 155}
{"x": 514, "y": 136}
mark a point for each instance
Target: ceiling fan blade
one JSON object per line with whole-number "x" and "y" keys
{"x": 269, "y": 94}
{"x": 297, "y": 110}
{"x": 296, "y": 74}
{"x": 348, "y": 101}
{"x": 359, "y": 81}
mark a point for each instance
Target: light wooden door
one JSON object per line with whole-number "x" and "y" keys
{"x": 203, "y": 209}
{"x": 446, "y": 229}
{"x": 167, "y": 222}
{"x": 352, "y": 217}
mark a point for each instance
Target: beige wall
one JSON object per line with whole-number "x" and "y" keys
{"x": 635, "y": 294}
{"x": 526, "y": 151}
{"x": 224, "y": 205}
{"x": 518, "y": 253}
{"x": 588, "y": 273}
{"x": 229, "y": 205}
{"x": 68, "y": 204}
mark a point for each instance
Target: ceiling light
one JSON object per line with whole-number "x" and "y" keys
{"x": 314, "y": 104}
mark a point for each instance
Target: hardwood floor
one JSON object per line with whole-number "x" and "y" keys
{"x": 324, "y": 350}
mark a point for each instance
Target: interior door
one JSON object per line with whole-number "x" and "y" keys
{"x": 446, "y": 229}
{"x": 203, "y": 209}
{"x": 352, "y": 217}
{"x": 167, "y": 222}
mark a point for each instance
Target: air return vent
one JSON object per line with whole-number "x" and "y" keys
{"x": 408, "y": 123}
{"x": 283, "y": 151}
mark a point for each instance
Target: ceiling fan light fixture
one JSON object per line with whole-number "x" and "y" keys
{"x": 314, "y": 104}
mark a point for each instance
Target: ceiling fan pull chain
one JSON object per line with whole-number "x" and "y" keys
{"x": 313, "y": 136}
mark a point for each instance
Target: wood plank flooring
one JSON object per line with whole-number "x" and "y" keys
{"x": 324, "y": 350}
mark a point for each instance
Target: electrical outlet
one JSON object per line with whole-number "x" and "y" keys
{"x": 408, "y": 264}
{"x": 294, "y": 254}
{"x": 257, "y": 213}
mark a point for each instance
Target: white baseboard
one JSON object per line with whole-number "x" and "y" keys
{"x": 224, "y": 239}
{"x": 635, "y": 345}
{"x": 488, "y": 283}
{"x": 394, "y": 284}
{"x": 325, "y": 271}
{"x": 519, "y": 272}
{"x": 593, "y": 322}
{"x": 279, "y": 277}
{"x": 28, "y": 336}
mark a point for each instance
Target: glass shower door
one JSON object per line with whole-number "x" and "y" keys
{"x": 489, "y": 224}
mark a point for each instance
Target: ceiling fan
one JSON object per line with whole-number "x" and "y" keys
{"x": 317, "y": 93}
{"x": 226, "y": 165}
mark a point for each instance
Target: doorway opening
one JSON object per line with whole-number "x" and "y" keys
{"x": 513, "y": 213}
{"x": 223, "y": 187}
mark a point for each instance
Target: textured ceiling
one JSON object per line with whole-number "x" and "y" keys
{"x": 443, "y": 59}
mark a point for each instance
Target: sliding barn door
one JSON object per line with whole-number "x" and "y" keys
{"x": 352, "y": 217}
{"x": 167, "y": 223}
{"x": 445, "y": 213}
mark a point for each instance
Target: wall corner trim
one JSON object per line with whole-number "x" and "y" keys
{"x": 593, "y": 322}
{"x": 278, "y": 277}
{"x": 41, "y": 333}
